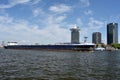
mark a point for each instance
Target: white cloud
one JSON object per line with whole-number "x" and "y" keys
{"x": 95, "y": 24}
{"x": 24, "y": 32}
{"x": 12, "y": 3}
{"x": 36, "y": 1}
{"x": 20, "y": 31}
{"x": 84, "y": 3}
{"x": 5, "y": 19}
{"x": 56, "y": 32}
{"x": 89, "y": 12}
{"x": 37, "y": 12}
{"x": 2, "y": 6}
{"x": 79, "y": 22}
{"x": 60, "y": 8}
{"x": 55, "y": 19}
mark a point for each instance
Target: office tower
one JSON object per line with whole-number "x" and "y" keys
{"x": 112, "y": 33}
{"x": 75, "y": 35}
{"x": 96, "y": 38}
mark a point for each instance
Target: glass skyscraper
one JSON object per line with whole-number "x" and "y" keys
{"x": 112, "y": 33}
{"x": 96, "y": 38}
{"x": 75, "y": 35}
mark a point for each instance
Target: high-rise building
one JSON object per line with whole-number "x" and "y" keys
{"x": 75, "y": 35}
{"x": 112, "y": 33}
{"x": 96, "y": 38}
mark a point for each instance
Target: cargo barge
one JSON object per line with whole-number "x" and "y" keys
{"x": 58, "y": 47}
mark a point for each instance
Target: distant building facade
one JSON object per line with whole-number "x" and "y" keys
{"x": 75, "y": 35}
{"x": 112, "y": 33}
{"x": 96, "y": 38}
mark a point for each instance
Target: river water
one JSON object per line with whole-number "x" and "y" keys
{"x": 48, "y": 65}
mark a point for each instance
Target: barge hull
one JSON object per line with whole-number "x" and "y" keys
{"x": 52, "y": 47}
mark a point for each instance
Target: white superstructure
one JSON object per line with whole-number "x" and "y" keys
{"x": 12, "y": 43}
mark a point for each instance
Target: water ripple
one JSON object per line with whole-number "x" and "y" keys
{"x": 43, "y": 65}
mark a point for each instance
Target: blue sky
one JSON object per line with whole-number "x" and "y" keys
{"x": 49, "y": 21}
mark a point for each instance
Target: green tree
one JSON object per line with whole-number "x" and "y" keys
{"x": 116, "y": 45}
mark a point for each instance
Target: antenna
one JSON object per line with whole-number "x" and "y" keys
{"x": 85, "y": 39}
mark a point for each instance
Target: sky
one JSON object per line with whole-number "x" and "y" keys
{"x": 49, "y": 21}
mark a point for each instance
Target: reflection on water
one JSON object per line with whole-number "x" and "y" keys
{"x": 44, "y": 65}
